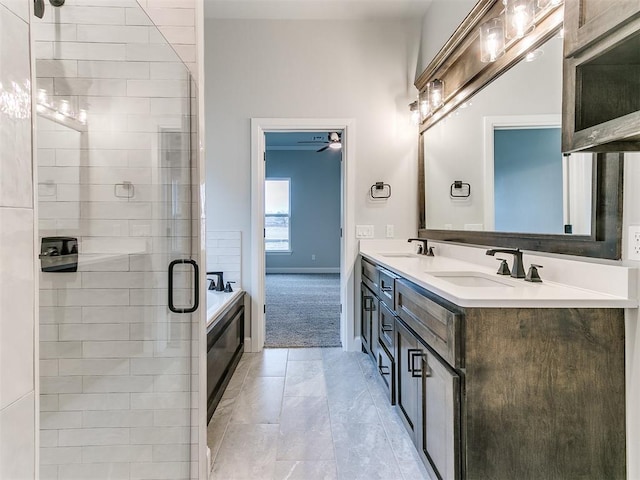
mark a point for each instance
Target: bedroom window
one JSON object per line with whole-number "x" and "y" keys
{"x": 277, "y": 217}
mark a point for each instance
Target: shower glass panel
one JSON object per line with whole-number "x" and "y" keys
{"x": 118, "y": 380}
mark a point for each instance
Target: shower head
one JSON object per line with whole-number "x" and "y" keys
{"x": 38, "y": 6}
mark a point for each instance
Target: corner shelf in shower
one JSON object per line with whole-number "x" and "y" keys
{"x": 54, "y": 115}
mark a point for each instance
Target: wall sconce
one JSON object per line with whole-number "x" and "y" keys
{"x": 415, "y": 112}
{"x": 436, "y": 94}
{"x": 519, "y": 17}
{"x": 492, "y": 40}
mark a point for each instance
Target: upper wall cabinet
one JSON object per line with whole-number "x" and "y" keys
{"x": 601, "y": 105}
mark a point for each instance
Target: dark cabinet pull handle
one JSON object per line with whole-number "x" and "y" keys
{"x": 386, "y": 328}
{"x": 371, "y": 307}
{"x": 196, "y": 286}
{"x": 412, "y": 355}
{"x": 387, "y": 289}
{"x": 381, "y": 368}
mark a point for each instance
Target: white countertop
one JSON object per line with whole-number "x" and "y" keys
{"x": 515, "y": 292}
{"x": 217, "y": 302}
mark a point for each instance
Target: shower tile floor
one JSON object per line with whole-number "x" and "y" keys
{"x": 309, "y": 413}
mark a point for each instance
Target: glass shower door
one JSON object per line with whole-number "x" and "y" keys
{"x": 118, "y": 373}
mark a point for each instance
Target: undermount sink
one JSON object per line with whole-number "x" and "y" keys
{"x": 471, "y": 279}
{"x": 399, "y": 255}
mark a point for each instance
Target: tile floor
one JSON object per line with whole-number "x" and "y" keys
{"x": 311, "y": 413}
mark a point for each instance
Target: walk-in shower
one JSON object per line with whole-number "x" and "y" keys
{"x": 118, "y": 369}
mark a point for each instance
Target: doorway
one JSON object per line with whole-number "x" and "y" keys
{"x": 348, "y": 247}
{"x": 302, "y": 239}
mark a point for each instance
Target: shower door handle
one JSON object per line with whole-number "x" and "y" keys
{"x": 196, "y": 286}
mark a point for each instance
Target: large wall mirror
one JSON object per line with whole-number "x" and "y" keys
{"x": 494, "y": 172}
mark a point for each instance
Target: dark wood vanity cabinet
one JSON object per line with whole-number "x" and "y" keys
{"x": 377, "y": 297}
{"x": 601, "y": 105}
{"x": 225, "y": 345}
{"x": 369, "y": 320}
{"x": 506, "y": 393}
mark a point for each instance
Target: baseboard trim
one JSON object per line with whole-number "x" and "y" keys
{"x": 304, "y": 270}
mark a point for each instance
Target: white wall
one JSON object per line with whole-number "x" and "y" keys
{"x": 438, "y": 24}
{"x": 17, "y": 280}
{"x": 306, "y": 69}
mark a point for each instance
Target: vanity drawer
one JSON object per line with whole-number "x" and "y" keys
{"x": 386, "y": 288}
{"x": 439, "y": 324}
{"x": 370, "y": 275}
{"x": 386, "y": 327}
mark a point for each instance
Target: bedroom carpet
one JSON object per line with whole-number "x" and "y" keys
{"x": 303, "y": 310}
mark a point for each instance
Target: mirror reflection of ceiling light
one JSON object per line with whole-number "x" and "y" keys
{"x": 15, "y": 101}
{"x": 60, "y": 112}
{"x": 415, "y": 113}
{"x": 533, "y": 55}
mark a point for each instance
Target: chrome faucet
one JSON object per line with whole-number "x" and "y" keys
{"x": 517, "y": 270}
{"x": 423, "y": 249}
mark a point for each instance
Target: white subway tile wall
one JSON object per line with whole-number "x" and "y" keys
{"x": 224, "y": 254}
{"x": 118, "y": 380}
{"x": 17, "y": 302}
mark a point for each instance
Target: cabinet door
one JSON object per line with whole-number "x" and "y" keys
{"x": 407, "y": 385}
{"x": 586, "y": 21}
{"x": 439, "y": 442}
{"x": 368, "y": 304}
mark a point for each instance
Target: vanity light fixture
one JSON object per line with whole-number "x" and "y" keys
{"x": 436, "y": 94}
{"x": 492, "y": 39}
{"x": 423, "y": 102}
{"x": 415, "y": 112}
{"x": 519, "y": 17}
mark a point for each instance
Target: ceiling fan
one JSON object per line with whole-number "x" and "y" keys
{"x": 333, "y": 141}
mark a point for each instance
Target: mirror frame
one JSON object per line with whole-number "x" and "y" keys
{"x": 458, "y": 65}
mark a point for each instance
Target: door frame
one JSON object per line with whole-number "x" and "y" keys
{"x": 348, "y": 246}
{"x": 490, "y": 123}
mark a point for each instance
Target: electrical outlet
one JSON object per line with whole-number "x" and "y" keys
{"x": 364, "y": 231}
{"x": 634, "y": 242}
{"x": 389, "y": 231}
{"x": 313, "y": 257}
